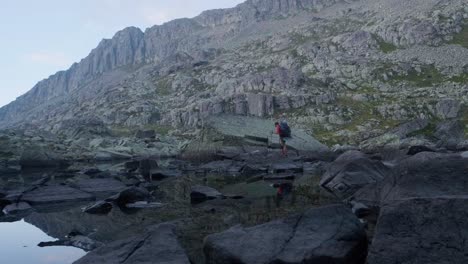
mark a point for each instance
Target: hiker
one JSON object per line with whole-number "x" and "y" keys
{"x": 284, "y": 132}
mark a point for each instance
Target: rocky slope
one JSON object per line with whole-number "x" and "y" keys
{"x": 346, "y": 71}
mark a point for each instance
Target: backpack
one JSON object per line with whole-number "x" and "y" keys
{"x": 285, "y": 131}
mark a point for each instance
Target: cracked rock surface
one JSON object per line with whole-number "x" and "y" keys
{"x": 330, "y": 234}
{"x": 159, "y": 245}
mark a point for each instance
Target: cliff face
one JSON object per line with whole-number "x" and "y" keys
{"x": 323, "y": 61}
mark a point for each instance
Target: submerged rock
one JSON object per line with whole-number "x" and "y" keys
{"x": 330, "y": 234}
{"x": 158, "y": 245}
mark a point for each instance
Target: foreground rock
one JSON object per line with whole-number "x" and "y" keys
{"x": 424, "y": 175}
{"x": 329, "y": 234}
{"x": 159, "y": 245}
{"x": 351, "y": 171}
{"x": 420, "y": 231}
{"x": 39, "y": 157}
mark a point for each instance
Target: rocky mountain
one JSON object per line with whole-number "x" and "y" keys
{"x": 348, "y": 71}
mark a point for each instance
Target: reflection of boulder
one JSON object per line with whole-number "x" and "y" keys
{"x": 158, "y": 245}
{"x": 330, "y": 234}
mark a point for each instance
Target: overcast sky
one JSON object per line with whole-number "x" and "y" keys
{"x": 41, "y": 37}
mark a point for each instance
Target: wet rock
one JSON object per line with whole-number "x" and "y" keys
{"x": 147, "y": 166}
{"x": 78, "y": 241}
{"x": 158, "y": 245}
{"x": 55, "y": 194}
{"x": 351, "y": 171}
{"x": 330, "y": 234}
{"x": 101, "y": 207}
{"x": 130, "y": 195}
{"x": 200, "y": 194}
{"x": 413, "y": 150}
{"x": 421, "y": 231}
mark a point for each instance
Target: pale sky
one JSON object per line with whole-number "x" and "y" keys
{"x": 41, "y": 37}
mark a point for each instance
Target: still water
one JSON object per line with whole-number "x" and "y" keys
{"x": 18, "y": 245}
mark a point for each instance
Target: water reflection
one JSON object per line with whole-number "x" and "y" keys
{"x": 18, "y": 245}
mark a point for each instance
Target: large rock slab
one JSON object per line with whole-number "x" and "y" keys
{"x": 351, "y": 171}
{"x": 330, "y": 234}
{"x": 260, "y": 131}
{"x": 55, "y": 194}
{"x": 421, "y": 231}
{"x": 159, "y": 245}
{"x": 424, "y": 175}
{"x": 39, "y": 157}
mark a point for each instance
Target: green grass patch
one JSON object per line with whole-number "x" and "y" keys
{"x": 164, "y": 87}
{"x": 384, "y": 46}
{"x": 461, "y": 38}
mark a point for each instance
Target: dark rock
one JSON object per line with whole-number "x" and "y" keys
{"x": 450, "y": 133}
{"x": 350, "y": 172}
{"x": 146, "y": 166}
{"x": 100, "y": 207}
{"x": 161, "y": 174}
{"x": 200, "y": 194}
{"x": 253, "y": 169}
{"x": 39, "y": 157}
{"x": 426, "y": 174}
{"x": 150, "y": 134}
{"x": 130, "y": 195}
{"x": 413, "y": 150}
{"x": 287, "y": 167}
{"x": 55, "y": 194}
{"x": 78, "y": 241}
{"x": 412, "y": 126}
{"x": 158, "y": 245}
{"x": 420, "y": 231}
{"x": 280, "y": 176}
{"x": 330, "y": 234}
{"x": 144, "y": 204}
{"x": 132, "y": 166}
{"x": 92, "y": 171}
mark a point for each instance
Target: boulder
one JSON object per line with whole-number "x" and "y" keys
{"x": 55, "y": 194}
{"x": 200, "y": 194}
{"x": 350, "y": 172}
{"x": 448, "y": 108}
{"x": 330, "y": 234}
{"x": 422, "y": 230}
{"x": 100, "y": 207}
{"x": 130, "y": 195}
{"x": 413, "y": 150}
{"x": 157, "y": 245}
{"x": 146, "y": 166}
{"x": 450, "y": 133}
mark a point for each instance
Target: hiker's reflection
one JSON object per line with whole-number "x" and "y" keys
{"x": 283, "y": 190}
